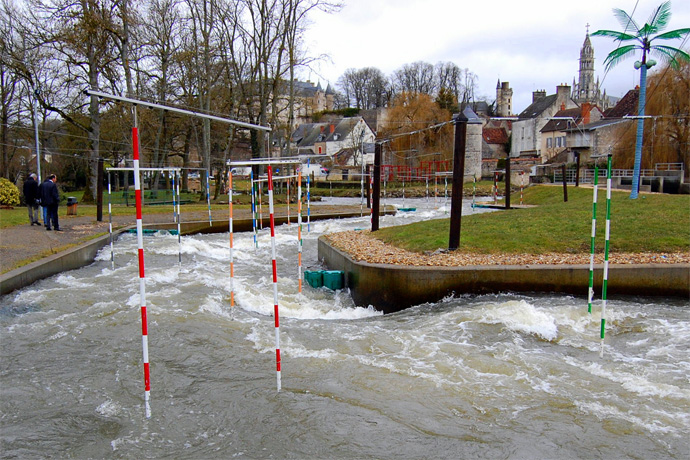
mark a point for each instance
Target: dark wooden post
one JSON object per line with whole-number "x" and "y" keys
{"x": 577, "y": 171}
{"x": 565, "y": 184}
{"x": 458, "y": 178}
{"x": 99, "y": 192}
{"x": 508, "y": 182}
{"x": 377, "y": 188}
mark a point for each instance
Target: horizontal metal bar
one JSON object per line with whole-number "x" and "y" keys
{"x": 90, "y": 92}
{"x": 143, "y": 169}
{"x": 267, "y": 161}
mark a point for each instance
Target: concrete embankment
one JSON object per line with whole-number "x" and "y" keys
{"x": 84, "y": 254}
{"x": 392, "y": 288}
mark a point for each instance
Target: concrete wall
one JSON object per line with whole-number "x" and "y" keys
{"x": 391, "y": 288}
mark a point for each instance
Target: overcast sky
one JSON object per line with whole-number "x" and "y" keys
{"x": 533, "y": 44}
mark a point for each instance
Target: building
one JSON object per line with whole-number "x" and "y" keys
{"x": 526, "y": 137}
{"x": 554, "y": 133}
{"x": 504, "y": 99}
{"x": 325, "y": 140}
{"x": 587, "y": 89}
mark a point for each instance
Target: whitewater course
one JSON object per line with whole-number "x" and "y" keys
{"x": 480, "y": 376}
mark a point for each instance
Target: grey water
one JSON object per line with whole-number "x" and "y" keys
{"x": 490, "y": 376}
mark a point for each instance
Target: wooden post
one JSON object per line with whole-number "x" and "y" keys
{"x": 565, "y": 184}
{"x": 458, "y": 177}
{"x": 507, "y": 180}
{"x": 377, "y": 188}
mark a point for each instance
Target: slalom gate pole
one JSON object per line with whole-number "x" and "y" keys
{"x": 427, "y": 191}
{"x": 590, "y": 294}
{"x": 403, "y": 191}
{"x": 179, "y": 220}
{"x": 230, "y": 229}
{"x": 371, "y": 192}
{"x": 606, "y": 254}
{"x": 142, "y": 277}
{"x": 495, "y": 187}
{"x": 445, "y": 194}
{"x": 361, "y": 182}
{"x": 308, "y": 199}
{"x": 261, "y": 205}
{"x": 251, "y": 179}
{"x": 110, "y": 225}
{"x": 435, "y": 190}
{"x": 522, "y": 185}
{"x": 208, "y": 196}
{"x": 275, "y": 273}
{"x": 474, "y": 190}
{"x": 287, "y": 200}
{"x": 173, "y": 198}
{"x": 299, "y": 230}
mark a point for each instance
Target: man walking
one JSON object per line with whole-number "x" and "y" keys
{"x": 31, "y": 198}
{"x": 50, "y": 199}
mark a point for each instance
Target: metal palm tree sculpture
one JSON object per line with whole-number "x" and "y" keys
{"x": 644, "y": 36}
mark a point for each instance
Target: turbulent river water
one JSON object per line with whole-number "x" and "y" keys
{"x": 490, "y": 376}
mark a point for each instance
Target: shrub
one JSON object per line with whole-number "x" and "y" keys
{"x": 9, "y": 193}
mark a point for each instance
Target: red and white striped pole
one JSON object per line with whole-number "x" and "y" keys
{"x": 275, "y": 273}
{"x": 299, "y": 229}
{"x": 232, "y": 260}
{"x": 142, "y": 278}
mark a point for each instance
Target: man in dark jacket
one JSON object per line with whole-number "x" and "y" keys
{"x": 50, "y": 199}
{"x": 31, "y": 198}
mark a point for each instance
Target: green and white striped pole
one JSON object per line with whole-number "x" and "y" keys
{"x": 474, "y": 189}
{"x": 606, "y": 255}
{"x": 594, "y": 230}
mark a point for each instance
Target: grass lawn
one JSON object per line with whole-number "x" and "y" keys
{"x": 652, "y": 223}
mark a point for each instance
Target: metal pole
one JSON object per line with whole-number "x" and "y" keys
{"x": 458, "y": 177}
{"x": 179, "y": 219}
{"x": 376, "y": 198}
{"x": 577, "y": 171}
{"x": 38, "y": 147}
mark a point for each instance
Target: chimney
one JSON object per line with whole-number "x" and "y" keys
{"x": 332, "y": 128}
{"x": 586, "y": 111}
{"x": 562, "y": 93}
{"x": 536, "y": 95}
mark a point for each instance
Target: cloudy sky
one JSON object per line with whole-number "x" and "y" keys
{"x": 533, "y": 44}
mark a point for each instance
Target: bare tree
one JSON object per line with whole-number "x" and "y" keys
{"x": 417, "y": 77}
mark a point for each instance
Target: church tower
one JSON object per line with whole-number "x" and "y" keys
{"x": 587, "y": 88}
{"x": 504, "y": 99}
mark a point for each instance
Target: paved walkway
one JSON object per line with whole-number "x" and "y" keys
{"x": 23, "y": 244}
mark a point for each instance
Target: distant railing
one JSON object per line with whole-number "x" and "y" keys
{"x": 669, "y": 167}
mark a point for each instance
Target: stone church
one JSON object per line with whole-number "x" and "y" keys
{"x": 586, "y": 89}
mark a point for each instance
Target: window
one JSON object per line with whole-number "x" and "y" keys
{"x": 549, "y": 142}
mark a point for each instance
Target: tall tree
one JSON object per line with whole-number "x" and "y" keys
{"x": 644, "y": 37}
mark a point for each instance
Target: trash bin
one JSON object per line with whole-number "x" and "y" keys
{"x": 71, "y": 206}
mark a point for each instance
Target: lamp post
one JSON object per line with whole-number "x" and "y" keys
{"x": 37, "y": 92}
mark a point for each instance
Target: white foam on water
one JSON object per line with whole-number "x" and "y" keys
{"x": 72, "y": 282}
{"x": 606, "y": 411}
{"x": 109, "y": 409}
{"x": 521, "y": 316}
